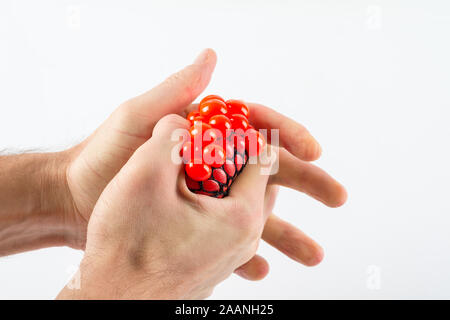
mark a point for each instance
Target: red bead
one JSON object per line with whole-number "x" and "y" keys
{"x": 237, "y": 107}
{"x": 212, "y": 135}
{"x": 192, "y": 184}
{"x": 197, "y": 120}
{"x": 221, "y": 123}
{"x": 211, "y": 185}
{"x": 229, "y": 168}
{"x": 220, "y": 176}
{"x": 210, "y": 97}
{"x": 189, "y": 152}
{"x": 199, "y": 133}
{"x": 198, "y": 172}
{"x": 229, "y": 151}
{"x": 191, "y": 116}
{"x": 238, "y": 143}
{"x": 200, "y": 127}
{"x": 212, "y": 107}
{"x": 239, "y": 162}
{"x": 239, "y": 122}
{"x": 214, "y": 155}
{"x": 254, "y": 142}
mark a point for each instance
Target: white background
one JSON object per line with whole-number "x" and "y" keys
{"x": 370, "y": 79}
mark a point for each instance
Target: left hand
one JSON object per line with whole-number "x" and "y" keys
{"x": 92, "y": 164}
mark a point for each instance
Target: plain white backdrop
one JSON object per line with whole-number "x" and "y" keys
{"x": 370, "y": 79}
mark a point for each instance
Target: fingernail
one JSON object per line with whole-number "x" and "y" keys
{"x": 202, "y": 57}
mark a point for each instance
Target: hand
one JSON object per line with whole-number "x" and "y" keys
{"x": 91, "y": 165}
{"x": 297, "y": 148}
{"x": 149, "y": 237}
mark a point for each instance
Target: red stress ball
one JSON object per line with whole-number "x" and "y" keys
{"x": 221, "y": 142}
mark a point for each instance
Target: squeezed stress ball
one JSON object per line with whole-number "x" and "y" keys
{"x": 221, "y": 142}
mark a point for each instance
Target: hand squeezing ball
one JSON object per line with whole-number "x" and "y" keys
{"x": 221, "y": 142}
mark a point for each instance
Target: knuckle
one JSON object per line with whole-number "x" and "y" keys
{"x": 246, "y": 222}
{"x": 172, "y": 119}
{"x": 122, "y": 112}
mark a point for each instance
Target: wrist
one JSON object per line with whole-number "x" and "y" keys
{"x": 32, "y": 210}
{"x": 115, "y": 274}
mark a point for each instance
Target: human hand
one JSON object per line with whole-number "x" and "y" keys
{"x": 91, "y": 165}
{"x": 296, "y": 149}
{"x": 149, "y": 237}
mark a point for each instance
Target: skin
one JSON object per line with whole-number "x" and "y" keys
{"x": 144, "y": 246}
{"x": 71, "y": 182}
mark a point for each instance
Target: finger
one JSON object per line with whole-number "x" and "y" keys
{"x": 255, "y": 269}
{"x": 292, "y": 242}
{"x": 171, "y": 96}
{"x": 293, "y": 136}
{"x": 308, "y": 178}
{"x": 170, "y": 132}
{"x": 180, "y": 89}
{"x": 270, "y": 199}
{"x": 250, "y": 185}
{"x": 131, "y": 125}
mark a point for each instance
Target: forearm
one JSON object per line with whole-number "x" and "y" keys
{"x": 31, "y": 202}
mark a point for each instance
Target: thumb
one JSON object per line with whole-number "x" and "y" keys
{"x": 165, "y": 144}
{"x": 177, "y": 91}
{"x": 111, "y": 146}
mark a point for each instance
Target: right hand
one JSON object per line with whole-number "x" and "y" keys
{"x": 149, "y": 237}
{"x": 91, "y": 165}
